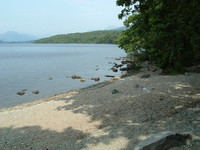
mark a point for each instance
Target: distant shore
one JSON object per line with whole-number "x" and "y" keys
{"x": 111, "y": 115}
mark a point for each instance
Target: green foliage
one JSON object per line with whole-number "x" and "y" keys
{"x": 137, "y": 67}
{"x": 96, "y": 37}
{"x": 164, "y": 32}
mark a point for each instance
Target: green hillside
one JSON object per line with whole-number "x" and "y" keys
{"x": 95, "y": 37}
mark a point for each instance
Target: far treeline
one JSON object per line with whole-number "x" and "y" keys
{"x": 165, "y": 32}
{"x": 95, "y": 37}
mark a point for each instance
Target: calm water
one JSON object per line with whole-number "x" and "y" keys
{"x": 29, "y": 66}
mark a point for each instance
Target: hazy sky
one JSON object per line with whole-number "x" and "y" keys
{"x": 49, "y": 17}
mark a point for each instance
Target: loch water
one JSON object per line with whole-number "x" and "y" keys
{"x": 48, "y": 68}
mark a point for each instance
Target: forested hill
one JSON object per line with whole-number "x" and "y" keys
{"x": 95, "y": 37}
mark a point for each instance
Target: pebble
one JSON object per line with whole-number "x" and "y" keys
{"x": 145, "y": 76}
{"x": 35, "y": 92}
{"x": 115, "y": 91}
{"x": 145, "y": 89}
{"x": 137, "y": 86}
{"x": 161, "y": 99}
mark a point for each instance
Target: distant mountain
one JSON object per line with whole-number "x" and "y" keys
{"x": 111, "y": 27}
{"x": 95, "y": 37}
{"x": 121, "y": 28}
{"x": 12, "y": 36}
{"x": 116, "y": 28}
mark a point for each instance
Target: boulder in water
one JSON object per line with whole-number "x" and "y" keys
{"x": 21, "y": 93}
{"x": 35, "y": 92}
{"x": 76, "y": 77}
{"x": 95, "y": 79}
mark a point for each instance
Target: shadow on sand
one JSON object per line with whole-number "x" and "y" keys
{"x": 125, "y": 120}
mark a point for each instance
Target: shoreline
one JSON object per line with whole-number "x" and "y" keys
{"x": 56, "y": 96}
{"x": 52, "y": 79}
{"x": 110, "y": 115}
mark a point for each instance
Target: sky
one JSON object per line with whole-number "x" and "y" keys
{"x": 51, "y": 17}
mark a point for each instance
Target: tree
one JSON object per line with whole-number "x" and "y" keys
{"x": 166, "y": 32}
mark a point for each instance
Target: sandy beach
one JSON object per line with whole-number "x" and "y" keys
{"x": 115, "y": 115}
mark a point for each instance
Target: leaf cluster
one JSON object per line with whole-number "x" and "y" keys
{"x": 166, "y": 32}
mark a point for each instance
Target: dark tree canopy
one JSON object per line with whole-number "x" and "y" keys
{"x": 166, "y": 32}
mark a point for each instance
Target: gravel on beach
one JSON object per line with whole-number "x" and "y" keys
{"x": 115, "y": 115}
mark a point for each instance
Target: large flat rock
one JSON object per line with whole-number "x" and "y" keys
{"x": 164, "y": 141}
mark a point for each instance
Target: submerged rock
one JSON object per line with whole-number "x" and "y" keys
{"x": 109, "y": 76}
{"x": 117, "y": 65}
{"x": 120, "y": 65}
{"x": 123, "y": 69}
{"x": 35, "y": 92}
{"x": 76, "y": 77}
{"x": 96, "y": 79}
{"x": 114, "y": 69}
{"x": 21, "y": 93}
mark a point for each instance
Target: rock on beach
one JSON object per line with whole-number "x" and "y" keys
{"x": 164, "y": 141}
{"x": 145, "y": 76}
